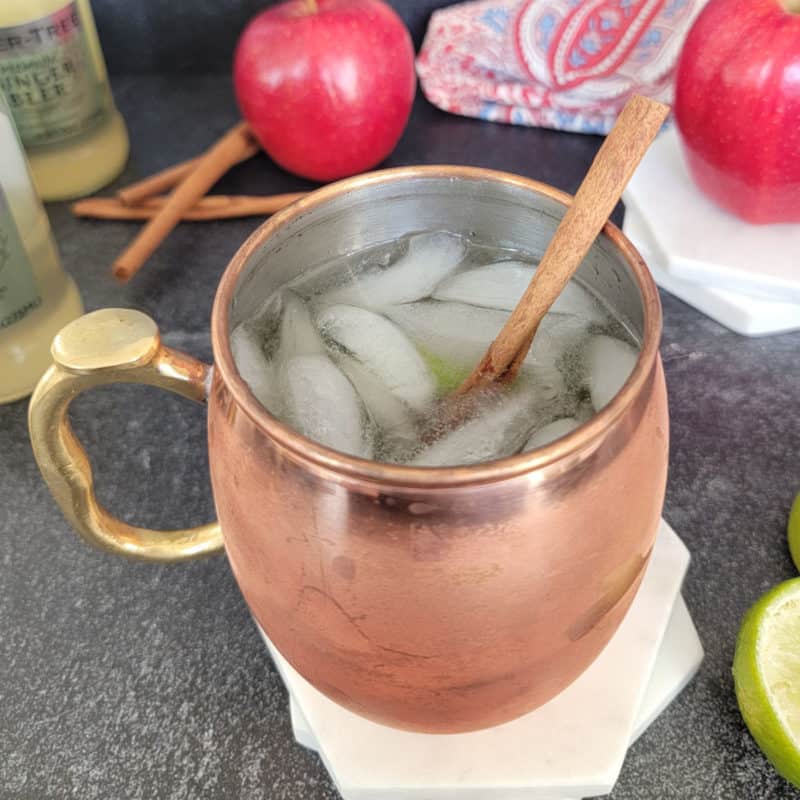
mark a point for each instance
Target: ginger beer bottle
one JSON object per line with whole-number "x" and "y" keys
{"x": 54, "y": 78}
{"x": 37, "y": 298}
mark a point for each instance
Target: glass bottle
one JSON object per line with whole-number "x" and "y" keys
{"x": 37, "y": 298}
{"x": 54, "y": 78}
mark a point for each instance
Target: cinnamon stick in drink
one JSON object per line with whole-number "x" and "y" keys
{"x": 637, "y": 125}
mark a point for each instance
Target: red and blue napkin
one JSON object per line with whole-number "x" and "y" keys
{"x": 565, "y": 64}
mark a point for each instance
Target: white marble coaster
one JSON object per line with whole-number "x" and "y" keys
{"x": 678, "y": 659}
{"x": 702, "y": 242}
{"x": 571, "y": 747}
{"x": 750, "y": 316}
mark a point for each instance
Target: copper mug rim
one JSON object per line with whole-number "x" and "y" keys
{"x": 399, "y": 474}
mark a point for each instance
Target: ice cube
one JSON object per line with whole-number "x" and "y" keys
{"x": 253, "y": 366}
{"x": 497, "y": 431}
{"x": 558, "y": 335}
{"x": 455, "y": 332}
{"x": 608, "y": 364}
{"x": 382, "y": 348}
{"x": 497, "y": 286}
{"x": 391, "y": 414}
{"x": 551, "y": 432}
{"x": 322, "y": 404}
{"x": 502, "y": 284}
{"x": 430, "y": 257}
{"x": 576, "y": 300}
{"x": 544, "y": 382}
{"x": 459, "y": 334}
{"x": 298, "y": 334}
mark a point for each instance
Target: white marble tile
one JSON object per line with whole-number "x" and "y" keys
{"x": 678, "y": 659}
{"x": 300, "y": 728}
{"x": 571, "y": 747}
{"x": 702, "y": 242}
{"x": 677, "y": 662}
{"x": 750, "y": 316}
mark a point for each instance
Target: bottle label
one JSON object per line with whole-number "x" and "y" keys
{"x": 49, "y": 78}
{"x": 19, "y": 294}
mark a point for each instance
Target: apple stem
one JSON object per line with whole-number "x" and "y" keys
{"x": 311, "y": 6}
{"x": 792, "y": 6}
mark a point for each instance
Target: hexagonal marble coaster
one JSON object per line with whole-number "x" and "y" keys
{"x": 678, "y": 659}
{"x": 701, "y": 242}
{"x": 750, "y": 316}
{"x": 571, "y": 747}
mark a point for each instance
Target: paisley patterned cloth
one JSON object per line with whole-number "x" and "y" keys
{"x": 565, "y": 64}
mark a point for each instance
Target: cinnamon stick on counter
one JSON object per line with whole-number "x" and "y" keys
{"x": 156, "y": 184}
{"x": 210, "y": 207}
{"x": 167, "y": 179}
{"x": 229, "y": 150}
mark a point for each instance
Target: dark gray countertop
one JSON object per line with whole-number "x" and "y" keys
{"x": 128, "y": 680}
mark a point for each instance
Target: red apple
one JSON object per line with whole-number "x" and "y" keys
{"x": 737, "y": 105}
{"x": 326, "y": 85}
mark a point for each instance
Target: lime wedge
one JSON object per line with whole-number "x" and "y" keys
{"x": 448, "y": 376}
{"x": 766, "y": 673}
{"x": 794, "y": 531}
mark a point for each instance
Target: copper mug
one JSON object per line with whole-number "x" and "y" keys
{"x": 431, "y": 599}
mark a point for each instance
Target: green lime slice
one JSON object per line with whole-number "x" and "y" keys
{"x": 766, "y": 673}
{"x": 448, "y": 376}
{"x": 794, "y": 531}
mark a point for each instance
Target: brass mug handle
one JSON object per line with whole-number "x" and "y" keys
{"x": 114, "y": 345}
